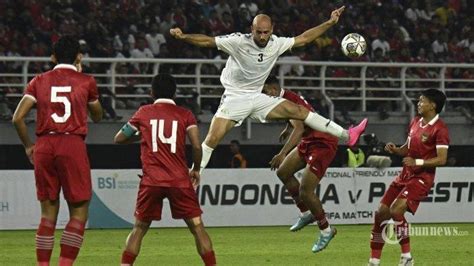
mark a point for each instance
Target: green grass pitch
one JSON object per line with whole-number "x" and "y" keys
{"x": 248, "y": 246}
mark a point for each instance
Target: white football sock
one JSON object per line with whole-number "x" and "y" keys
{"x": 206, "y": 155}
{"x": 319, "y": 123}
{"x": 374, "y": 261}
{"x": 406, "y": 255}
{"x": 326, "y": 231}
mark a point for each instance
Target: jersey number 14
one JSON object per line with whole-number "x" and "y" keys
{"x": 157, "y": 128}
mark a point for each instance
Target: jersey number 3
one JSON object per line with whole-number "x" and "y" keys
{"x": 61, "y": 99}
{"x": 159, "y": 125}
{"x": 260, "y": 57}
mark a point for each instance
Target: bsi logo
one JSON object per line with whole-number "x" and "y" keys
{"x": 106, "y": 183}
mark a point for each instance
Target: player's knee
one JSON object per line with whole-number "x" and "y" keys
{"x": 305, "y": 194}
{"x": 212, "y": 140}
{"x": 396, "y": 211}
{"x": 194, "y": 224}
{"x": 282, "y": 175}
{"x": 299, "y": 112}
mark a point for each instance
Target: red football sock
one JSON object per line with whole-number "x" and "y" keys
{"x": 45, "y": 241}
{"x": 295, "y": 194}
{"x": 71, "y": 242}
{"x": 128, "y": 258}
{"x": 209, "y": 258}
{"x": 401, "y": 227}
{"x": 321, "y": 220}
{"x": 376, "y": 240}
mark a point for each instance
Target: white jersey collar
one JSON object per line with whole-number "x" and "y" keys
{"x": 164, "y": 100}
{"x": 68, "y": 66}
{"x": 282, "y": 92}
{"x": 432, "y": 122}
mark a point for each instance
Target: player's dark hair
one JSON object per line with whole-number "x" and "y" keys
{"x": 66, "y": 50}
{"x": 236, "y": 142}
{"x": 435, "y": 96}
{"x": 272, "y": 80}
{"x": 163, "y": 86}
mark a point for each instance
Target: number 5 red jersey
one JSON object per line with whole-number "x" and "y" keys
{"x": 61, "y": 97}
{"x": 163, "y": 127}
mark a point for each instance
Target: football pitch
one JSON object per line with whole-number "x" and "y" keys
{"x": 252, "y": 246}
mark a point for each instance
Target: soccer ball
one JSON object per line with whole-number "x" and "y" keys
{"x": 353, "y": 45}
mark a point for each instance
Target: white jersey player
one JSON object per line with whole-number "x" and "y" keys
{"x": 251, "y": 59}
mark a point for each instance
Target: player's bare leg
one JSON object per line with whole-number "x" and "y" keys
{"x": 382, "y": 216}
{"x": 203, "y": 241}
{"x": 73, "y": 235}
{"x": 218, "y": 129}
{"x": 45, "y": 232}
{"x": 289, "y": 110}
{"x": 292, "y": 164}
{"x": 134, "y": 242}
{"x": 307, "y": 188}
{"x": 397, "y": 212}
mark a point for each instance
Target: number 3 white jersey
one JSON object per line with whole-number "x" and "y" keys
{"x": 249, "y": 65}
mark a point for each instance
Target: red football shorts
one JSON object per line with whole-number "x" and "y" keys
{"x": 318, "y": 156}
{"x": 61, "y": 162}
{"x": 183, "y": 203}
{"x": 415, "y": 190}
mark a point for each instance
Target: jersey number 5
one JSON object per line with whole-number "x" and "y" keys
{"x": 159, "y": 125}
{"x": 61, "y": 99}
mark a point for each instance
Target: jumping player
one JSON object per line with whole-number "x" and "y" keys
{"x": 163, "y": 127}
{"x": 251, "y": 58}
{"x": 314, "y": 153}
{"x": 425, "y": 149}
{"x": 62, "y": 96}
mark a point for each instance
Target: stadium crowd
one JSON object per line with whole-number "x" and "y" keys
{"x": 396, "y": 31}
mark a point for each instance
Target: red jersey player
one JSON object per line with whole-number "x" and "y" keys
{"x": 314, "y": 153}
{"x": 163, "y": 127}
{"x": 425, "y": 149}
{"x": 62, "y": 96}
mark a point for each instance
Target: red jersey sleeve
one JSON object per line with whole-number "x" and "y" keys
{"x": 442, "y": 137}
{"x": 93, "y": 92}
{"x": 30, "y": 90}
{"x": 135, "y": 120}
{"x": 190, "y": 120}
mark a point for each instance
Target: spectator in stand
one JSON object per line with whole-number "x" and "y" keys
{"x": 167, "y": 23}
{"x": 155, "y": 40}
{"x": 222, "y": 7}
{"x": 125, "y": 37}
{"x": 382, "y": 44}
{"x": 214, "y": 25}
{"x": 141, "y": 52}
{"x": 105, "y": 99}
{"x": 440, "y": 45}
{"x": 238, "y": 160}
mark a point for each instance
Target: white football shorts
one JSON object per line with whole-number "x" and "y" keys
{"x": 253, "y": 105}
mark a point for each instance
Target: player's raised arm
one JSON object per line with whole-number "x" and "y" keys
{"x": 18, "y": 121}
{"x": 200, "y": 40}
{"x": 313, "y": 33}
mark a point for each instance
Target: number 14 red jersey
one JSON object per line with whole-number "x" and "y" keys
{"x": 163, "y": 127}
{"x": 61, "y": 97}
